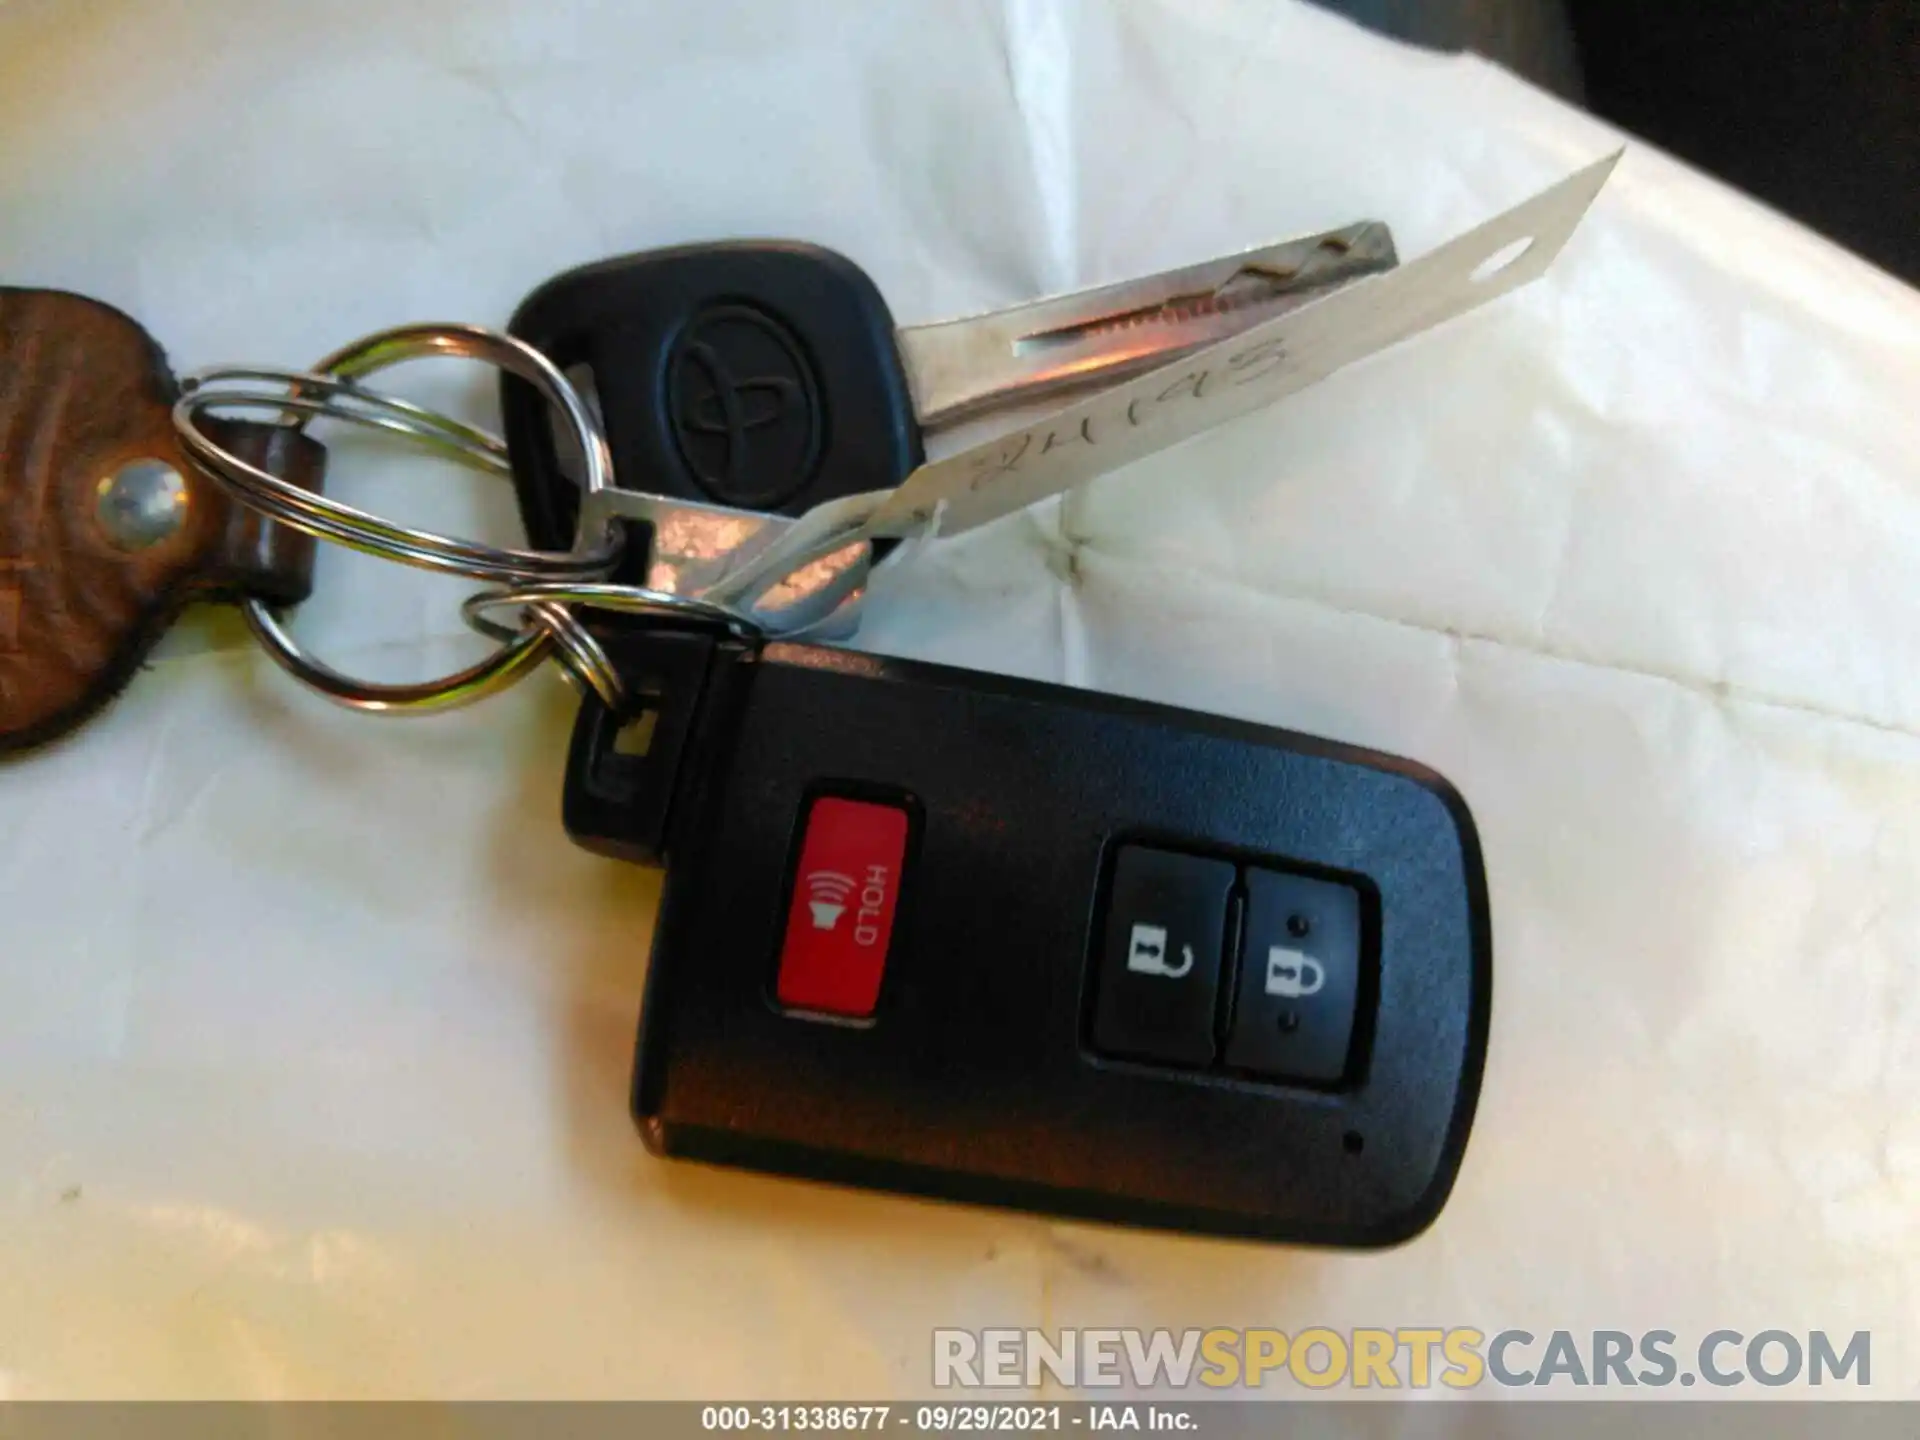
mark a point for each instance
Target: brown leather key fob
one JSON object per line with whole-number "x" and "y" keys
{"x": 107, "y": 529}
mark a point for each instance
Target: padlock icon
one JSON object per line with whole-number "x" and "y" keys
{"x": 1147, "y": 953}
{"x": 1293, "y": 973}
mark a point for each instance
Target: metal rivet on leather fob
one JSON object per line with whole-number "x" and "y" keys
{"x": 106, "y": 528}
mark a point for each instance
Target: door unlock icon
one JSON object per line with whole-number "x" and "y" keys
{"x": 1292, "y": 973}
{"x": 1147, "y": 953}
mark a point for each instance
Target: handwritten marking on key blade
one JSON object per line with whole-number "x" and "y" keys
{"x": 1082, "y": 434}
{"x": 1245, "y": 366}
{"x": 1009, "y": 451}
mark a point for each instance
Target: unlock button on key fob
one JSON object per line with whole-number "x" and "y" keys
{"x": 1160, "y": 958}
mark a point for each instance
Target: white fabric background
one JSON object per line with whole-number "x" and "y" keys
{"x": 314, "y": 1031}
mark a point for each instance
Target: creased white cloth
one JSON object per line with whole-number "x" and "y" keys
{"x": 314, "y": 1030}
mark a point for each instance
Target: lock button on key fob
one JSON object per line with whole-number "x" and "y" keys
{"x": 1299, "y": 978}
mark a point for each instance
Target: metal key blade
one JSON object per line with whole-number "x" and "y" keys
{"x": 1254, "y": 368}
{"x": 1065, "y": 343}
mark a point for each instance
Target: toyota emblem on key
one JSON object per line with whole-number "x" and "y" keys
{"x": 744, "y": 406}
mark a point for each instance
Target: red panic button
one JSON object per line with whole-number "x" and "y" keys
{"x": 845, "y": 892}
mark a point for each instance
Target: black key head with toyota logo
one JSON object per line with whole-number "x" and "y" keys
{"x": 757, "y": 375}
{"x": 768, "y": 376}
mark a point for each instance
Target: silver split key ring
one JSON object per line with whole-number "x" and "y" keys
{"x": 590, "y": 664}
{"x": 329, "y": 390}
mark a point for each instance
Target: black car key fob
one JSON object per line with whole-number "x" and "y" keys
{"x": 990, "y": 940}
